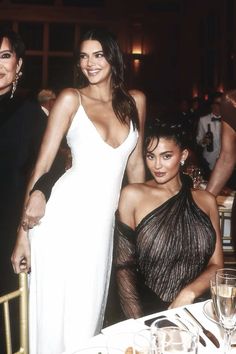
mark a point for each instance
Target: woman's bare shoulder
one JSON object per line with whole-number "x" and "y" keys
{"x": 204, "y": 199}
{"x": 133, "y": 192}
{"x": 69, "y": 96}
{"x": 138, "y": 95}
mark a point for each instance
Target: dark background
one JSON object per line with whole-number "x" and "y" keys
{"x": 186, "y": 47}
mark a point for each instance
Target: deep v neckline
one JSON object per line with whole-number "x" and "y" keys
{"x": 99, "y": 135}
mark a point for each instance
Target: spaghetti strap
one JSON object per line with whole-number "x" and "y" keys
{"x": 78, "y": 93}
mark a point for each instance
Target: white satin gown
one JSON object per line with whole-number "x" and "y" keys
{"x": 71, "y": 249}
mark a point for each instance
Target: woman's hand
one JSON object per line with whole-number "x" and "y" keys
{"x": 185, "y": 297}
{"x": 21, "y": 254}
{"x": 34, "y": 210}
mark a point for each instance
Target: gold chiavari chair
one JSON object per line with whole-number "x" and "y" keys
{"x": 22, "y": 294}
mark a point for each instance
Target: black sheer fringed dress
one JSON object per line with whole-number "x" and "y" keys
{"x": 169, "y": 248}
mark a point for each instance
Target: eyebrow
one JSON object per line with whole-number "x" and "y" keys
{"x": 98, "y": 51}
{"x": 166, "y": 152}
{"x": 162, "y": 153}
{"x": 6, "y": 51}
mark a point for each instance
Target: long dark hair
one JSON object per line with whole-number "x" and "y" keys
{"x": 122, "y": 102}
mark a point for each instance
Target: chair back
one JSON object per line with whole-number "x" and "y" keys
{"x": 22, "y": 294}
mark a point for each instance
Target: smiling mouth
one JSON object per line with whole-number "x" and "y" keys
{"x": 159, "y": 174}
{"x": 93, "y": 72}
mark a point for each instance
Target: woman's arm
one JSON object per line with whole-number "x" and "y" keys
{"x": 201, "y": 283}
{"x": 39, "y": 195}
{"x": 226, "y": 162}
{"x": 58, "y": 123}
{"x": 125, "y": 258}
{"x": 135, "y": 166}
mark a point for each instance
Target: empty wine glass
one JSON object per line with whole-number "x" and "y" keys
{"x": 197, "y": 177}
{"x": 120, "y": 342}
{"x": 226, "y": 303}
{"x": 143, "y": 342}
{"x": 172, "y": 336}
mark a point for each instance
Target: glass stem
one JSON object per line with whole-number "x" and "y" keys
{"x": 227, "y": 341}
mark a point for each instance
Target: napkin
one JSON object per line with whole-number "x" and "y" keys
{"x": 225, "y": 200}
{"x": 130, "y": 325}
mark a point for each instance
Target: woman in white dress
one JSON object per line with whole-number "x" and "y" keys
{"x": 69, "y": 251}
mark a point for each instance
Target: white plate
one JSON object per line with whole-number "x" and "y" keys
{"x": 92, "y": 350}
{"x": 99, "y": 350}
{"x": 208, "y": 311}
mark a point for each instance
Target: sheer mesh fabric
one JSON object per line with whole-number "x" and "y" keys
{"x": 170, "y": 247}
{"x": 125, "y": 260}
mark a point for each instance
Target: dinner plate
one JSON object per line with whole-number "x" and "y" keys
{"x": 208, "y": 311}
{"x": 100, "y": 350}
{"x": 92, "y": 350}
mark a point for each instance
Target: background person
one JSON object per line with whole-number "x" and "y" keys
{"x": 225, "y": 165}
{"x": 227, "y": 159}
{"x": 21, "y": 130}
{"x": 210, "y": 147}
{"x": 168, "y": 235}
{"x": 46, "y": 99}
{"x": 73, "y": 243}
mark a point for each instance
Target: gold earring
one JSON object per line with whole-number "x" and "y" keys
{"x": 15, "y": 83}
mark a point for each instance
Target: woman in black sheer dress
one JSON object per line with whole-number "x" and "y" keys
{"x": 168, "y": 236}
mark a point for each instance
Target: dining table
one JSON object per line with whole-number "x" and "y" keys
{"x": 202, "y": 311}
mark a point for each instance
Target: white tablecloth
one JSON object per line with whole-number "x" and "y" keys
{"x": 133, "y": 326}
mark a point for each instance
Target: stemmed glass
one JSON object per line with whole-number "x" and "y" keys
{"x": 197, "y": 177}
{"x": 226, "y": 303}
{"x": 196, "y": 174}
{"x": 172, "y": 335}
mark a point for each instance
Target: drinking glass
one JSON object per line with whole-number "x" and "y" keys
{"x": 213, "y": 296}
{"x": 197, "y": 178}
{"x": 226, "y": 303}
{"x": 120, "y": 342}
{"x": 143, "y": 342}
{"x": 172, "y": 336}
{"x": 196, "y": 174}
{"x": 130, "y": 342}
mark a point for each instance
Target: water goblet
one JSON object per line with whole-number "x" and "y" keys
{"x": 226, "y": 303}
{"x": 120, "y": 342}
{"x": 172, "y": 336}
{"x": 144, "y": 342}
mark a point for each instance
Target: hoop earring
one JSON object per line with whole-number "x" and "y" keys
{"x": 15, "y": 83}
{"x": 182, "y": 162}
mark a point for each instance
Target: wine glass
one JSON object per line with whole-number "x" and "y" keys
{"x": 213, "y": 296}
{"x": 226, "y": 303}
{"x": 120, "y": 342}
{"x": 197, "y": 177}
{"x": 143, "y": 342}
{"x": 196, "y": 174}
{"x": 173, "y": 335}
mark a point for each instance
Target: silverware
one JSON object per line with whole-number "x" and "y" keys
{"x": 207, "y": 333}
{"x": 201, "y": 340}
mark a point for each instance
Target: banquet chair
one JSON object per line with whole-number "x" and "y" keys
{"x": 22, "y": 294}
